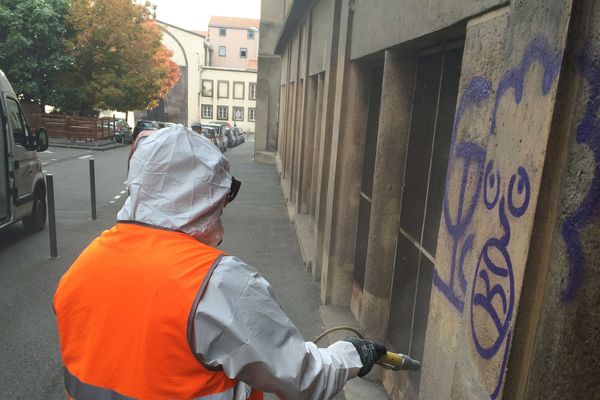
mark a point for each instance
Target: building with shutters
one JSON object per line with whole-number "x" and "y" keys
{"x": 440, "y": 163}
{"x": 229, "y": 95}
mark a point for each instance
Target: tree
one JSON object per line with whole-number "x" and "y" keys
{"x": 31, "y": 47}
{"x": 119, "y": 60}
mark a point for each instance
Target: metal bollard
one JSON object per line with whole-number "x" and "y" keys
{"x": 51, "y": 215}
{"x": 93, "y": 188}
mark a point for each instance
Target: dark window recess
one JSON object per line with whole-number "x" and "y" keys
{"x": 441, "y": 147}
{"x": 364, "y": 212}
{"x": 432, "y": 117}
{"x": 422, "y": 125}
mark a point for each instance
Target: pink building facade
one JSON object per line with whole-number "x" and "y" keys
{"x": 234, "y": 42}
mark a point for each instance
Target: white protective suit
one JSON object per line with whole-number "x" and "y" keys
{"x": 180, "y": 180}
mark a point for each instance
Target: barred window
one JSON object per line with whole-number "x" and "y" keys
{"x": 207, "y": 111}
{"x": 222, "y": 112}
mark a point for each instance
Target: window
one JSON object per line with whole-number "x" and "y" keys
{"x": 432, "y": 115}
{"x": 252, "y": 90}
{"x": 251, "y": 34}
{"x": 238, "y": 113}
{"x": 222, "y": 112}
{"x": 366, "y": 188}
{"x": 222, "y": 51}
{"x": 238, "y": 90}
{"x": 17, "y": 122}
{"x": 243, "y": 52}
{"x": 251, "y": 114}
{"x": 207, "y": 88}
{"x": 222, "y": 31}
{"x": 223, "y": 87}
{"x": 207, "y": 111}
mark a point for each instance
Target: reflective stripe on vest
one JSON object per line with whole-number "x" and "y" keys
{"x": 82, "y": 391}
{"x": 125, "y": 317}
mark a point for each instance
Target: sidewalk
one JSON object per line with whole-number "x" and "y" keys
{"x": 101, "y": 145}
{"x": 259, "y": 231}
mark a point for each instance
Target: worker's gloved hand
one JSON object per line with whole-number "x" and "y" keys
{"x": 368, "y": 351}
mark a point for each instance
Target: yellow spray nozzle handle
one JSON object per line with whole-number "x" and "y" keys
{"x": 398, "y": 362}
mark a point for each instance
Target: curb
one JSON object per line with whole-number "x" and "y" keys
{"x": 87, "y": 147}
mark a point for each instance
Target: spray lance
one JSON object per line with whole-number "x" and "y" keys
{"x": 393, "y": 361}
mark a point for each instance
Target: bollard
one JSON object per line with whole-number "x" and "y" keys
{"x": 93, "y": 188}
{"x": 51, "y": 215}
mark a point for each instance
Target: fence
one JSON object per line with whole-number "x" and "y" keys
{"x": 75, "y": 128}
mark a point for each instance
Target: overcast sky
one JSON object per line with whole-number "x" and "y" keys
{"x": 194, "y": 14}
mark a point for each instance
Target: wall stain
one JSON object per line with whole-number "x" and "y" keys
{"x": 588, "y": 133}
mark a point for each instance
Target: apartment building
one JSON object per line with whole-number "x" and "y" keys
{"x": 235, "y": 42}
{"x": 441, "y": 164}
{"x": 229, "y": 95}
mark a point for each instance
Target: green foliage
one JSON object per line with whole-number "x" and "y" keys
{"x": 31, "y": 47}
{"x": 120, "y": 62}
{"x": 85, "y": 55}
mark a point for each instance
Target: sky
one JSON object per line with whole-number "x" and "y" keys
{"x": 194, "y": 14}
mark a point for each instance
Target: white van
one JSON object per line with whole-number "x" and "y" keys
{"x": 22, "y": 184}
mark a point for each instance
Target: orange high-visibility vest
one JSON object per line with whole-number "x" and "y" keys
{"x": 125, "y": 314}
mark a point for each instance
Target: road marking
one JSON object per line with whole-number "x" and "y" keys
{"x": 48, "y": 152}
{"x": 125, "y": 183}
{"x": 117, "y": 197}
{"x": 112, "y": 202}
{"x": 123, "y": 191}
{"x": 83, "y": 157}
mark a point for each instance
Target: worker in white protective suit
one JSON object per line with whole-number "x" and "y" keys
{"x": 152, "y": 309}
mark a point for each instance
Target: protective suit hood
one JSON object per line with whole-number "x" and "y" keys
{"x": 179, "y": 180}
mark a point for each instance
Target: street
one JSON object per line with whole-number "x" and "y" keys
{"x": 257, "y": 229}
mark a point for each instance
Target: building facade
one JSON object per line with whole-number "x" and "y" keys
{"x": 441, "y": 164}
{"x": 229, "y": 95}
{"x": 192, "y": 52}
{"x": 234, "y": 41}
{"x": 268, "y": 81}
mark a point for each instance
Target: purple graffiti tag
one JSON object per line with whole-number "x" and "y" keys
{"x": 472, "y": 155}
{"x": 538, "y": 51}
{"x": 588, "y": 133}
{"x": 491, "y": 301}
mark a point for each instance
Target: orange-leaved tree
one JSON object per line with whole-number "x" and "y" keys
{"x": 119, "y": 60}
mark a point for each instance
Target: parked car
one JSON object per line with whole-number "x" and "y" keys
{"x": 144, "y": 125}
{"x": 161, "y": 124}
{"x": 225, "y": 129}
{"x": 231, "y": 142}
{"x": 211, "y": 134}
{"x": 117, "y": 127}
{"x": 23, "y": 196}
{"x": 219, "y": 137}
{"x": 239, "y": 132}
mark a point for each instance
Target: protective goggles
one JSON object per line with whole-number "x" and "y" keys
{"x": 233, "y": 190}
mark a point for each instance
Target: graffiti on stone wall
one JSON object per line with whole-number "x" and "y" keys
{"x": 492, "y": 301}
{"x": 493, "y": 294}
{"x": 467, "y": 161}
{"x": 588, "y": 133}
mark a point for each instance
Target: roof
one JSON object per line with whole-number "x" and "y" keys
{"x": 197, "y": 33}
{"x": 204, "y": 34}
{"x": 233, "y": 22}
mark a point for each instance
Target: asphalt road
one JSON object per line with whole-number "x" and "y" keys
{"x": 257, "y": 230}
{"x": 29, "y": 348}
